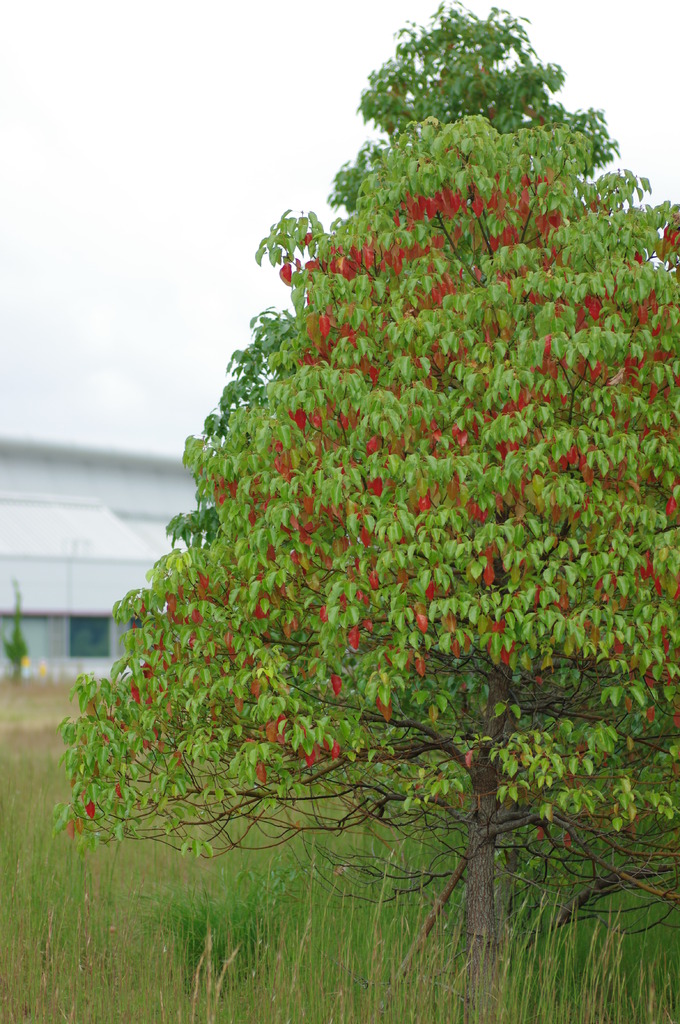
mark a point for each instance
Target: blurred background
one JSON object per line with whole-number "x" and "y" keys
{"x": 147, "y": 147}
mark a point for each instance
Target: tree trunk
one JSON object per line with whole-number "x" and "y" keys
{"x": 481, "y": 921}
{"x": 482, "y": 935}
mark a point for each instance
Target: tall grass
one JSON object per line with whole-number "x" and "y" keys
{"x": 138, "y": 934}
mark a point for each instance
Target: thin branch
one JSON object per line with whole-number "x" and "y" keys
{"x": 428, "y": 925}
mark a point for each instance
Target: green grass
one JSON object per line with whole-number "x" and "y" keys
{"x": 139, "y": 934}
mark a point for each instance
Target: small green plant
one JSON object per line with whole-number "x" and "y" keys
{"x": 15, "y": 647}
{"x": 240, "y": 914}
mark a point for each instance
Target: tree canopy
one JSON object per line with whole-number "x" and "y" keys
{"x": 445, "y": 591}
{"x": 459, "y": 65}
{"x": 15, "y": 645}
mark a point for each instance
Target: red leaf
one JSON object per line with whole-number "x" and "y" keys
{"x": 375, "y": 486}
{"x": 676, "y": 719}
{"x": 478, "y": 206}
{"x": 425, "y": 503}
{"x": 118, "y": 791}
{"x": 422, "y": 622}
{"x": 671, "y": 506}
{"x": 373, "y": 444}
{"x": 134, "y": 692}
{"x": 280, "y": 732}
{"x": 261, "y": 773}
{"x": 429, "y": 593}
{"x": 540, "y": 834}
{"x": 286, "y": 273}
{"x": 593, "y": 305}
{"x": 373, "y": 580}
{"x": 196, "y": 617}
{"x": 353, "y": 638}
{"x": 365, "y": 537}
{"x": 301, "y": 418}
{"x": 310, "y": 758}
{"x": 489, "y": 574}
{"x": 336, "y": 683}
{"x": 567, "y": 840}
{"x": 335, "y": 750}
{"x": 89, "y": 809}
{"x": 324, "y": 325}
{"x": 384, "y": 709}
{"x": 523, "y": 205}
{"x": 420, "y": 666}
{"x": 651, "y": 712}
{"x": 468, "y": 759}
{"x": 323, "y": 613}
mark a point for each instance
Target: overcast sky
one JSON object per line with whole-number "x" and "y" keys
{"x": 147, "y": 146}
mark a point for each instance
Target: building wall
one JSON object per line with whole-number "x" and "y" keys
{"x": 79, "y": 529}
{"x": 54, "y": 586}
{"x": 63, "y": 646}
{"x": 135, "y": 486}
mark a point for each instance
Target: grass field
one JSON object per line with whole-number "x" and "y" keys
{"x": 139, "y": 934}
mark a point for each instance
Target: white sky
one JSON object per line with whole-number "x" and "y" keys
{"x": 147, "y": 146}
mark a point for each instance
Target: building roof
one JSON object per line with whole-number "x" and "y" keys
{"x": 132, "y": 485}
{"x": 111, "y": 458}
{"x": 47, "y": 526}
{"x": 73, "y": 555}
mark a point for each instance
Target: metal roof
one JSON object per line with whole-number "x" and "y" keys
{"x": 47, "y": 526}
{"x": 34, "y": 449}
{"x": 132, "y": 485}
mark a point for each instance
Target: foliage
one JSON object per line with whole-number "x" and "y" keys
{"x": 243, "y": 912}
{"x": 460, "y": 65}
{"x": 446, "y": 587}
{"x": 88, "y": 938}
{"x": 15, "y": 646}
{"x": 248, "y": 386}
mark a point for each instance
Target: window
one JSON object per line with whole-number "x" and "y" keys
{"x": 89, "y": 637}
{"x": 36, "y": 635}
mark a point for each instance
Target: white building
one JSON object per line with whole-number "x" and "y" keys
{"x": 79, "y": 528}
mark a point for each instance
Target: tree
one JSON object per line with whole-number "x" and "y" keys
{"x": 460, "y": 65}
{"x": 15, "y": 647}
{"x": 445, "y": 592}
{"x": 251, "y": 374}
